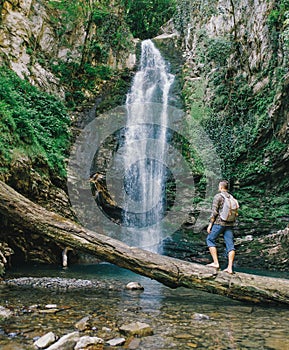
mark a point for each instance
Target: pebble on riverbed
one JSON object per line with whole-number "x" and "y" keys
{"x": 5, "y": 313}
{"x": 83, "y": 324}
{"x": 200, "y": 317}
{"x": 116, "y": 342}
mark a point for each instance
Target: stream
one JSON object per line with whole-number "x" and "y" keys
{"x": 180, "y": 318}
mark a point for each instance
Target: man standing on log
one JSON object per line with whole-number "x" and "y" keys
{"x": 223, "y": 217}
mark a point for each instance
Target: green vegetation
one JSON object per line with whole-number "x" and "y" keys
{"x": 278, "y": 15}
{"x": 145, "y": 17}
{"x": 31, "y": 122}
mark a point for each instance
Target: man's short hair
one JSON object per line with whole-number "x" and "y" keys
{"x": 224, "y": 184}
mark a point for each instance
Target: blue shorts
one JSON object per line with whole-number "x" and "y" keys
{"x": 228, "y": 236}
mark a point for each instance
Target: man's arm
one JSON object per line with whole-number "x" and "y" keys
{"x": 215, "y": 211}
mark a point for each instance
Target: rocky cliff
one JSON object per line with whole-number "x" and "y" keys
{"x": 236, "y": 82}
{"x": 26, "y": 27}
{"x": 36, "y": 36}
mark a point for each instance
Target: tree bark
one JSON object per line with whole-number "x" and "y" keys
{"x": 169, "y": 271}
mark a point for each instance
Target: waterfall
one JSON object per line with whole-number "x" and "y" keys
{"x": 141, "y": 185}
{"x": 145, "y": 148}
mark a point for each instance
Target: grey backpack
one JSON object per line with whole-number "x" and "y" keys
{"x": 230, "y": 208}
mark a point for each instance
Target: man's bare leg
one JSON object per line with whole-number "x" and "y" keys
{"x": 231, "y": 257}
{"x": 214, "y": 253}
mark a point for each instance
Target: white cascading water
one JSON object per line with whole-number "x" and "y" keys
{"x": 145, "y": 148}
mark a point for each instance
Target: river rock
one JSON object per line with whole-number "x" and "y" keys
{"x": 200, "y": 317}
{"x": 116, "y": 342}
{"x": 183, "y": 336}
{"x": 5, "y": 313}
{"x": 83, "y": 324}
{"x": 137, "y": 328}
{"x": 67, "y": 342}
{"x": 106, "y": 329}
{"x": 48, "y": 311}
{"x": 87, "y": 342}
{"x": 46, "y": 340}
{"x": 134, "y": 286}
{"x": 277, "y": 343}
{"x": 132, "y": 343}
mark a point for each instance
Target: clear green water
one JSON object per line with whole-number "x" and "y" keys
{"x": 173, "y": 314}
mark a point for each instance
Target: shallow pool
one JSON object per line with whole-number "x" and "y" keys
{"x": 180, "y": 318}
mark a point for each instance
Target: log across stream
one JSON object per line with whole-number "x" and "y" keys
{"x": 170, "y": 271}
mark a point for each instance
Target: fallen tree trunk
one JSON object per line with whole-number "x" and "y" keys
{"x": 169, "y": 271}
